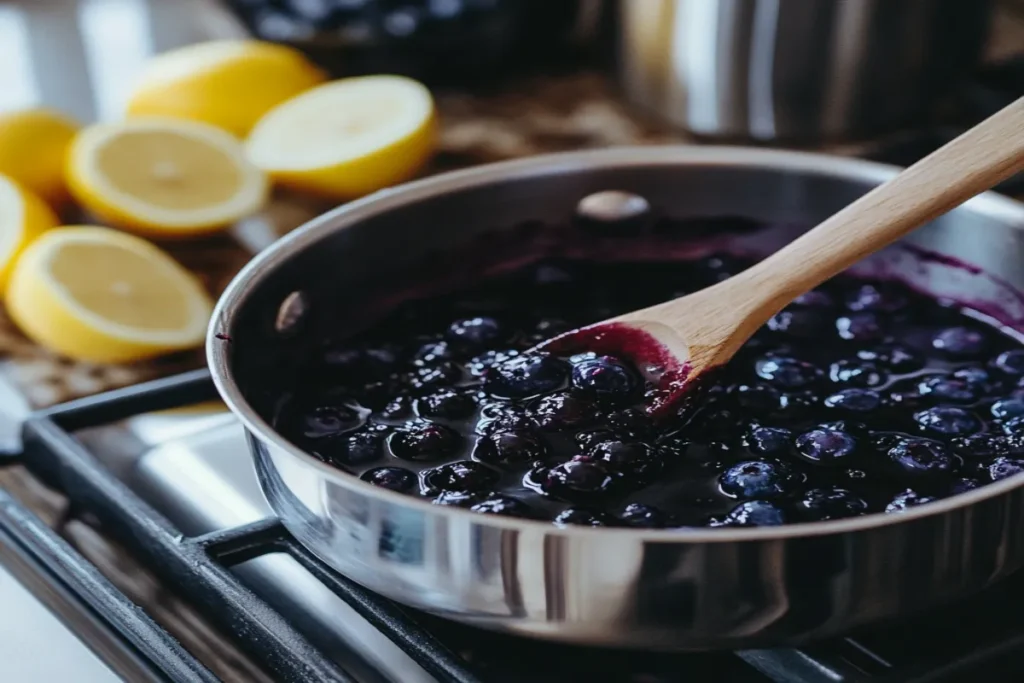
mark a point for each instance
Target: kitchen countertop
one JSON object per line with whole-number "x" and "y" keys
{"x": 532, "y": 116}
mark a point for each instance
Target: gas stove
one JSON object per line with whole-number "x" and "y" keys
{"x": 166, "y": 471}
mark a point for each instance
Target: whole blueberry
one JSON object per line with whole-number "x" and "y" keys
{"x": 787, "y": 373}
{"x": 979, "y": 378}
{"x": 896, "y": 358}
{"x": 1014, "y": 427}
{"x": 630, "y": 423}
{"x": 799, "y": 323}
{"x": 506, "y": 506}
{"x": 1011, "y": 362}
{"x": 446, "y": 404}
{"x": 501, "y": 416}
{"x": 855, "y": 429}
{"x": 948, "y": 389}
{"x": 636, "y": 461}
{"x": 857, "y": 373}
{"x": 434, "y": 352}
{"x": 923, "y": 458}
{"x": 355, "y": 365}
{"x": 464, "y": 475}
{"x": 475, "y": 333}
{"x": 564, "y": 410}
{"x": 982, "y": 446}
{"x": 606, "y": 378}
{"x": 826, "y": 446}
{"x": 753, "y": 513}
{"x": 1004, "y": 467}
{"x": 908, "y": 499}
{"x": 854, "y": 401}
{"x": 524, "y": 376}
{"x": 424, "y": 441}
{"x": 479, "y": 366}
{"x": 361, "y": 448}
{"x": 961, "y": 342}
{"x": 760, "y": 479}
{"x": 394, "y": 478}
{"x": 754, "y": 398}
{"x": 643, "y": 516}
{"x": 328, "y": 421}
{"x": 1007, "y": 408}
{"x": 830, "y": 503}
{"x": 460, "y": 499}
{"x": 578, "y": 480}
{"x": 430, "y": 377}
{"x": 582, "y": 517}
{"x": 947, "y": 421}
{"x": 769, "y": 440}
{"x": 963, "y": 485}
{"x": 509, "y": 447}
{"x": 860, "y": 327}
{"x": 880, "y": 296}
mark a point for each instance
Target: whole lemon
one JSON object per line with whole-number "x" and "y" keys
{"x": 230, "y": 84}
{"x": 33, "y": 144}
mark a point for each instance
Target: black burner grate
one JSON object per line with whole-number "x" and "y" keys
{"x": 929, "y": 649}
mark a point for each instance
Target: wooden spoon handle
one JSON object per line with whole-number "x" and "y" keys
{"x": 982, "y": 157}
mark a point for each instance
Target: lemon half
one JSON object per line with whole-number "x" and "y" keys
{"x": 226, "y": 83}
{"x": 164, "y": 177}
{"x": 33, "y": 144}
{"x": 101, "y": 295}
{"x": 23, "y": 218}
{"x": 347, "y": 138}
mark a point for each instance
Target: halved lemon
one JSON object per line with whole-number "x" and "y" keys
{"x": 347, "y": 138}
{"x": 164, "y": 177}
{"x": 33, "y": 144}
{"x": 23, "y": 217}
{"x": 226, "y": 83}
{"x": 101, "y": 295}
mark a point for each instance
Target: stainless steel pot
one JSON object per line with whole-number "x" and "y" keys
{"x": 691, "y": 588}
{"x": 796, "y": 70}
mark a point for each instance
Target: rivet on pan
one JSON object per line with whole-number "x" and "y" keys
{"x": 291, "y": 313}
{"x": 613, "y": 206}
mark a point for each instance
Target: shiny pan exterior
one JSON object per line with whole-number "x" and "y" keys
{"x": 658, "y": 589}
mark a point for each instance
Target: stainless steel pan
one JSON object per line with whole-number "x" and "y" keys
{"x": 686, "y": 589}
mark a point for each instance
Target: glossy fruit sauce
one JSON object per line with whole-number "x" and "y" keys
{"x": 861, "y": 397}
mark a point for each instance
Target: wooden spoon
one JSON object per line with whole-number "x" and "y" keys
{"x": 676, "y": 342}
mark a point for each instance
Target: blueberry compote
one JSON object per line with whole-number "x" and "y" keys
{"x": 860, "y": 397}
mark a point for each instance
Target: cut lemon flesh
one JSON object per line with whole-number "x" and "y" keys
{"x": 33, "y": 144}
{"x": 23, "y": 217}
{"x": 349, "y": 137}
{"x": 164, "y": 177}
{"x": 228, "y": 83}
{"x": 101, "y": 295}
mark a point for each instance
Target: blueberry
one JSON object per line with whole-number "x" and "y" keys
{"x": 949, "y": 389}
{"x": 330, "y": 421}
{"x": 606, "y": 378}
{"x": 424, "y": 441}
{"x": 434, "y": 352}
{"x": 826, "y": 446}
{"x": 982, "y": 446}
{"x": 830, "y": 503}
{"x": 908, "y": 499}
{"x": 979, "y": 378}
{"x": 509, "y": 447}
{"x": 446, "y": 404}
{"x": 394, "y": 478}
{"x": 630, "y": 423}
{"x": 1011, "y": 362}
{"x": 947, "y": 421}
{"x": 1014, "y": 427}
{"x": 430, "y": 377}
{"x": 882, "y": 296}
{"x": 963, "y": 485}
{"x": 643, "y": 516}
{"x": 800, "y": 323}
{"x": 507, "y": 417}
{"x": 787, "y": 373}
{"x": 354, "y": 366}
{"x": 563, "y": 411}
{"x": 475, "y": 333}
{"x": 478, "y": 366}
{"x": 859, "y": 327}
{"x": 759, "y": 479}
{"x": 857, "y": 373}
{"x": 525, "y": 376}
{"x": 754, "y": 398}
{"x": 1004, "y": 467}
{"x": 632, "y": 459}
{"x": 578, "y": 480}
{"x": 854, "y": 401}
{"x": 896, "y": 358}
{"x": 361, "y": 448}
{"x": 769, "y": 440}
{"x": 506, "y": 506}
{"x": 461, "y": 499}
{"x": 923, "y": 458}
{"x": 582, "y": 517}
{"x": 464, "y": 475}
{"x": 962, "y": 342}
{"x": 883, "y": 441}
{"x": 855, "y": 429}
{"x": 753, "y": 513}
{"x": 1007, "y": 408}
{"x": 815, "y": 299}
